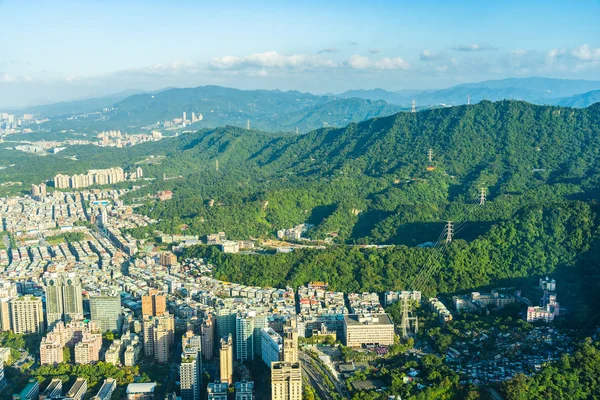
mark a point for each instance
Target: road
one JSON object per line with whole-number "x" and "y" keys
{"x": 494, "y": 394}
{"x": 315, "y": 380}
{"x": 323, "y": 371}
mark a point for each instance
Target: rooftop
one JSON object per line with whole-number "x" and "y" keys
{"x": 363, "y": 320}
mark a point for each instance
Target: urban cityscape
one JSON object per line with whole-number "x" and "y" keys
{"x": 326, "y": 200}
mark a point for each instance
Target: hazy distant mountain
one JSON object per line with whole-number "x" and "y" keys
{"x": 376, "y": 94}
{"x": 81, "y": 105}
{"x": 533, "y": 90}
{"x": 580, "y": 100}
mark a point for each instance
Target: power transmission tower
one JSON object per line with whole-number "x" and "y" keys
{"x": 414, "y": 106}
{"x": 296, "y": 130}
{"x": 248, "y": 124}
{"x": 406, "y": 319}
{"x": 482, "y": 197}
{"x": 217, "y": 165}
{"x": 449, "y": 231}
{"x": 468, "y": 99}
{"x": 430, "y": 155}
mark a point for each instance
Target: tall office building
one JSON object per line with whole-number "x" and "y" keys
{"x": 26, "y": 315}
{"x": 64, "y": 301}
{"x": 105, "y": 310}
{"x": 190, "y": 370}
{"x": 226, "y": 360}
{"x": 207, "y": 332}
{"x": 154, "y": 304}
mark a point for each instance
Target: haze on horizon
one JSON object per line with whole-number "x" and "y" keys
{"x": 54, "y": 51}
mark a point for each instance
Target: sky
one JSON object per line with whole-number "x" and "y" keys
{"x": 53, "y": 50}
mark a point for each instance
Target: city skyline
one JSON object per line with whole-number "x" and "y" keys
{"x": 71, "y": 51}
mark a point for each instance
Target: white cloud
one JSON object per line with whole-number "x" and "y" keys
{"x": 473, "y": 47}
{"x": 427, "y": 55}
{"x": 271, "y": 60}
{"x": 8, "y": 78}
{"x": 585, "y": 53}
{"x": 386, "y": 63}
{"x": 375, "y": 51}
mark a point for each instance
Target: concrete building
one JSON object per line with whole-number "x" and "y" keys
{"x": 106, "y": 390}
{"x": 244, "y": 390}
{"x": 2, "y": 377}
{"x": 207, "y": 332}
{"x": 244, "y": 336}
{"x": 53, "y": 390}
{"x": 168, "y": 259}
{"x": 217, "y": 391}
{"x": 64, "y": 301}
{"x": 362, "y": 330}
{"x": 105, "y": 310}
{"x": 272, "y": 346}
{"x": 154, "y": 304}
{"x": 159, "y": 337}
{"x": 51, "y": 352}
{"x": 443, "y": 313}
{"x": 226, "y": 360}
{"x": 26, "y": 315}
{"x": 8, "y": 291}
{"x": 88, "y": 349}
{"x": 77, "y": 391}
{"x": 29, "y": 392}
{"x": 190, "y": 370}
{"x": 141, "y": 391}
{"x": 290, "y": 341}
{"x": 286, "y": 381}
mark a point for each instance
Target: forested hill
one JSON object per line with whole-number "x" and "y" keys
{"x": 369, "y": 182}
{"x": 499, "y": 140}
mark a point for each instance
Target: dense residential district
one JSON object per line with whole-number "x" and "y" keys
{"x": 88, "y": 293}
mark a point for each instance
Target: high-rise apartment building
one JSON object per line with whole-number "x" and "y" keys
{"x": 244, "y": 390}
{"x": 154, "y": 304}
{"x": 217, "y": 391}
{"x": 290, "y": 341}
{"x": 159, "y": 337}
{"x": 286, "y": 375}
{"x": 26, "y": 315}
{"x": 207, "y": 332}
{"x": 8, "y": 291}
{"x": 226, "y": 360}
{"x": 88, "y": 349}
{"x": 51, "y": 352}
{"x": 105, "y": 310}
{"x": 244, "y": 336}
{"x": 190, "y": 370}
{"x": 286, "y": 381}
{"x": 64, "y": 301}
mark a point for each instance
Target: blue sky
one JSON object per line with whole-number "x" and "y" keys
{"x": 56, "y": 50}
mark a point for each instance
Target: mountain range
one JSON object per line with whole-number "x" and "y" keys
{"x": 290, "y": 111}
